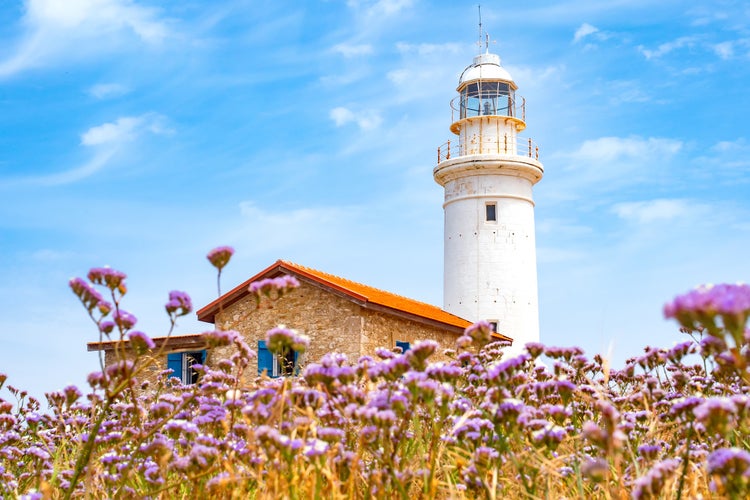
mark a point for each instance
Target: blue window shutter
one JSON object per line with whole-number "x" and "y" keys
{"x": 201, "y": 357}
{"x": 265, "y": 359}
{"x": 405, "y": 346}
{"x": 174, "y": 362}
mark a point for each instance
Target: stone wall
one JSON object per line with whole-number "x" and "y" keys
{"x": 332, "y": 322}
{"x": 384, "y": 330}
{"x": 153, "y": 366}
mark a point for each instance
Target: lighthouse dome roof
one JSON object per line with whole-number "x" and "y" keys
{"x": 486, "y": 67}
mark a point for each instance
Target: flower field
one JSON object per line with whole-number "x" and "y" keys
{"x": 549, "y": 423}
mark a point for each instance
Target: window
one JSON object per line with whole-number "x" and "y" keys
{"x": 490, "y": 212}
{"x": 181, "y": 364}
{"x": 487, "y": 98}
{"x": 493, "y": 326}
{"x": 277, "y": 366}
{"x": 405, "y": 346}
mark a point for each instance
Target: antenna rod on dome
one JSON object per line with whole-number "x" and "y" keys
{"x": 479, "y": 43}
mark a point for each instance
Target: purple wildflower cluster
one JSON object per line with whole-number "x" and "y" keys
{"x": 273, "y": 287}
{"x": 219, "y": 256}
{"x": 703, "y": 306}
{"x": 464, "y": 423}
{"x": 282, "y": 339}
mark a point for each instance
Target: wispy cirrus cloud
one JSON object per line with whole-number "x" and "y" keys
{"x": 108, "y": 90}
{"x": 607, "y": 164}
{"x": 667, "y": 47}
{"x": 380, "y": 7}
{"x": 366, "y": 119}
{"x": 104, "y": 141}
{"x": 658, "y": 210}
{"x": 54, "y": 31}
{"x": 350, "y": 50}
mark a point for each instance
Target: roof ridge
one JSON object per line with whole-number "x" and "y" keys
{"x": 341, "y": 278}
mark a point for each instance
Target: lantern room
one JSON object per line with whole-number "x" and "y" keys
{"x": 487, "y": 89}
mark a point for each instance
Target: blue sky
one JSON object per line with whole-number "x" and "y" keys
{"x": 140, "y": 134}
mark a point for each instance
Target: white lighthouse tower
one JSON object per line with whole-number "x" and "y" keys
{"x": 488, "y": 175}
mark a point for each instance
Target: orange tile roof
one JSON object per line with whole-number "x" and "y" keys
{"x": 356, "y": 291}
{"x": 381, "y": 297}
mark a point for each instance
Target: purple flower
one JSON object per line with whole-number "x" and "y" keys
{"x": 315, "y": 448}
{"x": 140, "y": 342}
{"x": 595, "y": 469}
{"x": 217, "y": 338}
{"x": 330, "y": 434}
{"x": 179, "y": 303}
{"x": 106, "y": 327}
{"x": 279, "y": 286}
{"x": 535, "y": 349}
{"x": 114, "y": 280}
{"x": 649, "y": 451}
{"x": 219, "y": 256}
{"x": 89, "y": 297}
{"x": 281, "y": 339}
{"x": 551, "y": 435}
{"x": 124, "y": 319}
{"x": 504, "y": 370}
{"x": 715, "y": 413}
{"x": 700, "y": 306}
{"x": 480, "y": 332}
{"x": 729, "y": 462}
{"x": 684, "y": 406}
{"x": 651, "y": 484}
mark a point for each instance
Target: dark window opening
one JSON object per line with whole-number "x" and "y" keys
{"x": 277, "y": 366}
{"x": 405, "y": 346}
{"x": 491, "y": 209}
{"x": 287, "y": 363}
{"x": 493, "y": 326}
{"x": 182, "y": 365}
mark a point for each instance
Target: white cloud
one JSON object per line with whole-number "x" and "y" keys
{"x": 427, "y": 49}
{"x": 737, "y": 146}
{"x": 341, "y": 116}
{"x": 118, "y": 131}
{"x": 607, "y": 150}
{"x": 124, "y": 129}
{"x": 107, "y": 90}
{"x": 583, "y": 31}
{"x": 105, "y": 140}
{"x": 666, "y": 48}
{"x": 366, "y": 119}
{"x": 94, "y": 165}
{"x": 88, "y": 16}
{"x": 608, "y": 164}
{"x": 724, "y": 50}
{"x": 658, "y": 210}
{"x": 380, "y": 7}
{"x": 353, "y": 50}
{"x": 55, "y": 31}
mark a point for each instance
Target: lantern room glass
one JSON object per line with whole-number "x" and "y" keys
{"x": 487, "y": 98}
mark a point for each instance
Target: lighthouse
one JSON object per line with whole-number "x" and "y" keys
{"x": 488, "y": 172}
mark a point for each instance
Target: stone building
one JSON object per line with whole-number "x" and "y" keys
{"x": 339, "y": 315}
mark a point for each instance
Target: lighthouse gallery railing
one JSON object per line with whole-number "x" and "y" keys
{"x": 505, "y": 146}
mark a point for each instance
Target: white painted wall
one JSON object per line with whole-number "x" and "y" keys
{"x": 490, "y": 266}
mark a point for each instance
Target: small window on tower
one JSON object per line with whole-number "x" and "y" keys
{"x": 493, "y": 326}
{"x": 491, "y": 210}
